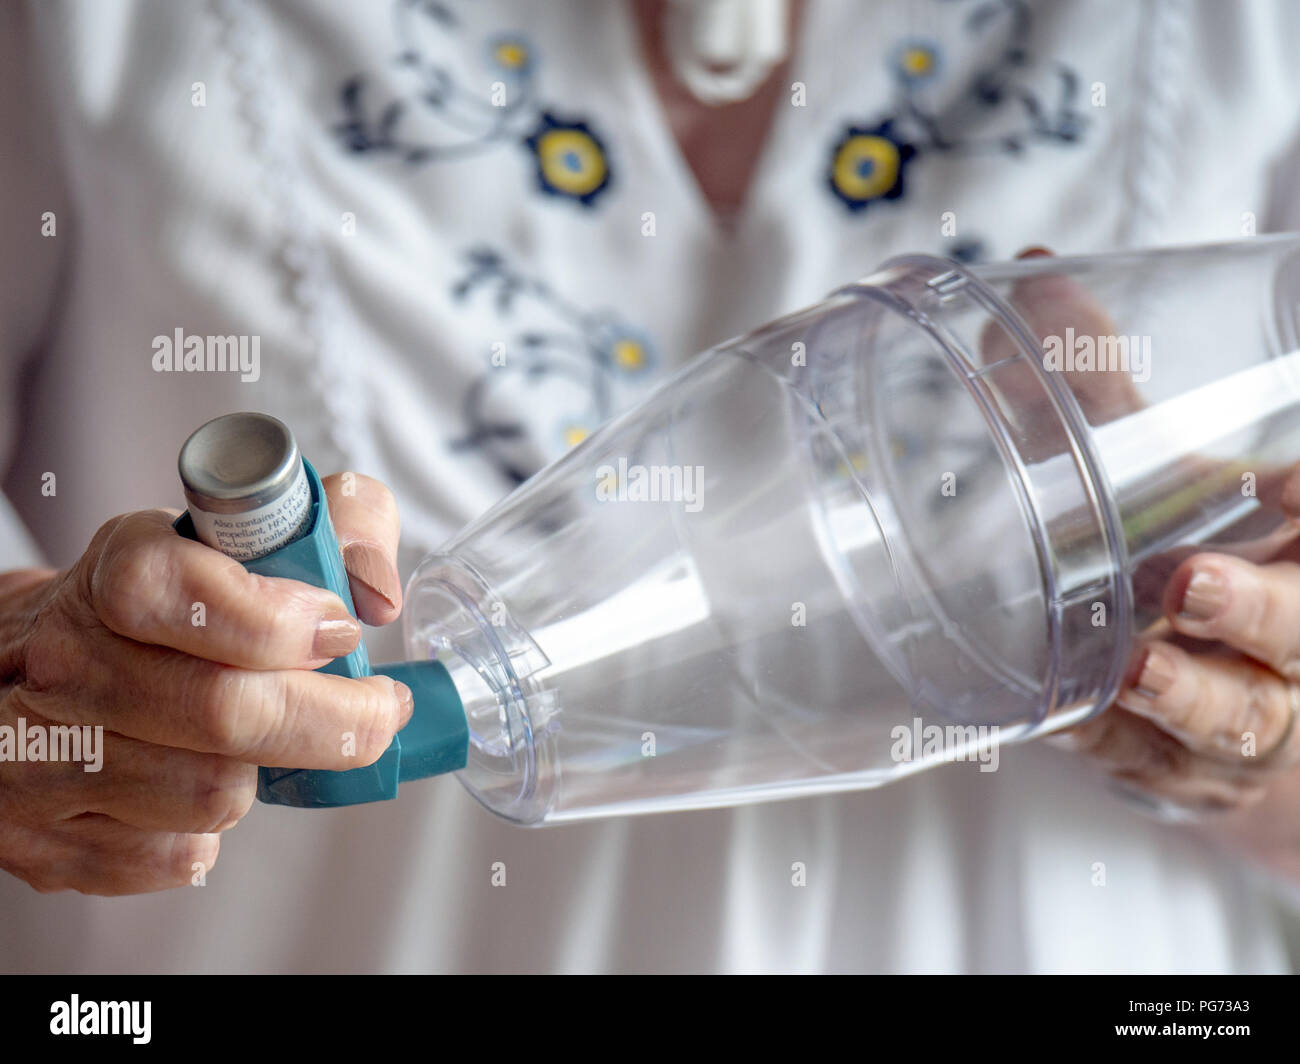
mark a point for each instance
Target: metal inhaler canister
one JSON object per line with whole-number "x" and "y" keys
{"x": 254, "y": 497}
{"x": 244, "y": 480}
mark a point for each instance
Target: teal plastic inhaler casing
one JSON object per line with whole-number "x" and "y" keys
{"x": 436, "y": 738}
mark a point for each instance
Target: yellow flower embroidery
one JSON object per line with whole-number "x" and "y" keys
{"x": 570, "y": 160}
{"x": 917, "y": 62}
{"x": 629, "y": 355}
{"x": 511, "y": 54}
{"x": 867, "y": 165}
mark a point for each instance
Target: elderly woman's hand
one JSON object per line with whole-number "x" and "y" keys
{"x": 187, "y": 712}
{"x": 1206, "y": 719}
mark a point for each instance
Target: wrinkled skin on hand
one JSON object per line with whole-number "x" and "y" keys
{"x": 187, "y": 711}
{"x": 1204, "y": 721}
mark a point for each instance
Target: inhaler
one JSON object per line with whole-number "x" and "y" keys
{"x": 928, "y": 516}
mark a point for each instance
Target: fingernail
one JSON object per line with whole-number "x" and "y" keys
{"x": 368, "y": 564}
{"x": 335, "y": 637}
{"x": 1036, "y": 251}
{"x": 407, "y": 702}
{"x": 1157, "y": 674}
{"x": 1205, "y": 595}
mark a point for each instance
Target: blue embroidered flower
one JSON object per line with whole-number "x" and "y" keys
{"x": 511, "y": 54}
{"x": 572, "y": 434}
{"x": 625, "y": 350}
{"x": 571, "y": 160}
{"x": 916, "y": 61}
{"x": 570, "y": 369}
{"x": 867, "y": 164}
{"x": 1030, "y": 100}
{"x": 440, "y": 117}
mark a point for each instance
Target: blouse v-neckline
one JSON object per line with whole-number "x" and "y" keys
{"x": 659, "y": 128}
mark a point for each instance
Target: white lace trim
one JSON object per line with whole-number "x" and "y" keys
{"x": 298, "y": 252}
{"x": 1153, "y": 180}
